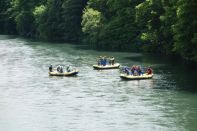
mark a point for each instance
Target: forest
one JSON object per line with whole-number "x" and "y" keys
{"x": 157, "y": 26}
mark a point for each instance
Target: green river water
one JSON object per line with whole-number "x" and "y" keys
{"x": 31, "y": 100}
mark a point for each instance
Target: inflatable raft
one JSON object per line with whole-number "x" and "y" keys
{"x": 100, "y": 67}
{"x": 131, "y": 77}
{"x": 72, "y": 73}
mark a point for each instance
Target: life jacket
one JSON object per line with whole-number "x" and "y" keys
{"x": 149, "y": 71}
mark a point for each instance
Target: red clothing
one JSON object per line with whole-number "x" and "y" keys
{"x": 133, "y": 68}
{"x": 149, "y": 71}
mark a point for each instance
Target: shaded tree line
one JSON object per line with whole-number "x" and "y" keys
{"x": 53, "y": 20}
{"x": 158, "y": 26}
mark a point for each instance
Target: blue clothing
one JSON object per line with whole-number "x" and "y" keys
{"x": 135, "y": 72}
{"x": 104, "y": 62}
{"x": 127, "y": 71}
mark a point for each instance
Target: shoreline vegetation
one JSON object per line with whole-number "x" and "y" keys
{"x": 154, "y": 26}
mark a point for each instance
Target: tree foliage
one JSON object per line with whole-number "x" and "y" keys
{"x": 185, "y": 29}
{"x": 158, "y": 26}
{"x": 7, "y": 23}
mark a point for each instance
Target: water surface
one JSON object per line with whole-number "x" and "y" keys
{"x": 30, "y": 100}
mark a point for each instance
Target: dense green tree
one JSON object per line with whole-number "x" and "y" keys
{"x": 121, "y": 31}
{"x": 22, "y": 11}
{"x": 7, "y": 23}
{"x": 92, "y": 21}
{"x": 159, "y": 26}
{"x": 168, "y": 19}
{"x": 185, "y": 29}
{"x": 148, "y": 14}
{"x": 40, "y": 23}
{"x": 90, "y": 25}
{"x": 101, "y": 6}
{"x": 49, "y": 20}
{"x": 60, "y": 20}
{"x": 72, "y": 17}
{"x": 118, "y": 29}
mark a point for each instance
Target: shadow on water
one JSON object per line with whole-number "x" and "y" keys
{"x": 177, "y": 73}
{"x": 170, "y": 72}
{"x": 173, "y": 68}
{"x": 7, "y": 37}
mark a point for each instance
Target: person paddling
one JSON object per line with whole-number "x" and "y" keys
{"x": 61, "y": 69}
{"x": 132, "y": 69}
{"x": 58, "y": 68}
{"x": 126, "y": 70}
{"x": 68, "y": 68}
{"x": 149, "y": 71}
{"x": 99, "y": 60}
{"x": 104, "y": 61}
{"x": 50, "y": 68}
{"x": 139, "y": 70}
{"x": 112, "y": 59}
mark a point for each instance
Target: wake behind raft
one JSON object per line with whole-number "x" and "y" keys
{"x": 106, "y": 63}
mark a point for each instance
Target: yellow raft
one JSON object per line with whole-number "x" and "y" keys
{"x": 131, "y": 77}
{"x": 100, "y": 67}
{"x": 72, "y": 73}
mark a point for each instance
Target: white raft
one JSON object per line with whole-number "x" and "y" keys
{"x": 131, "y": 77}
{"x": 100, "y": 67}
{"x": 71, "y": 73}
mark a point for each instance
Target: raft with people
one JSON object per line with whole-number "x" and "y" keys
{"x": 104, "y": 63}
{"x": 71, "y": 73}
{"x": 135, "y": 73}
{"x": 132, "y": 77}
{"x": 100, "y": 67}
{"x": 60, "y": 72}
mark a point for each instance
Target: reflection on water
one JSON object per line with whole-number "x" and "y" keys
{"x": 94, "y": 100}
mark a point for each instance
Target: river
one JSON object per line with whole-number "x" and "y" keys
{"x": 31, "y": 100}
